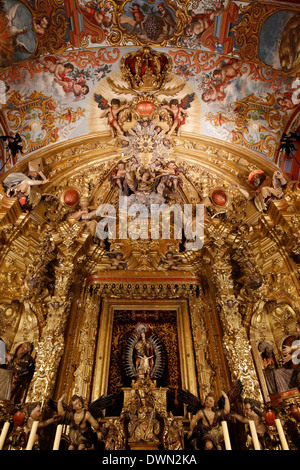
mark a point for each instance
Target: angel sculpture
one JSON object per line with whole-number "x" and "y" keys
{"x": 178, "y": 109}
{"x": 81, "y": 421}
{"x": 111, "y": 111}
{"x": 23, "y": 186}
{"x": 265, "y": 188}
{"x": 112, "y": 434}
{"x": 253, "y": 410}
{"x": 169, "y": 261}
{"x": 117, "y": 260}
{"x": 205, "y": 432}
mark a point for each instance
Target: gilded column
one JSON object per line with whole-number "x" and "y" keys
{"x": 70, "y": 242}
{"x": 235, "y": 341}
{"x": 49, "y": 351}
{"x": 204, "y": 371}
{"x": 52, "y": 343}
{"x": 87, "y": 346}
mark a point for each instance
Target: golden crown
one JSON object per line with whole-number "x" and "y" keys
{"x": 146, "y": 70}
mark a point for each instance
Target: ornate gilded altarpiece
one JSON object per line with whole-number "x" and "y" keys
{"x": 78, "y": 298}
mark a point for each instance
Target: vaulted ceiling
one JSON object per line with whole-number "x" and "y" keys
{"x": 239, "y": 62}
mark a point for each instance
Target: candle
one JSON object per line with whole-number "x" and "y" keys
{"x": 254, "y": 435}
{"x": 32, "y": 435}
{"x": 226, "y": 435}
{"x": 4, "y": 434}
{"x": 57, "y": 437}
{"x": 281, "y": 435}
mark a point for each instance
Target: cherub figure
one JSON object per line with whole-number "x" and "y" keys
{"x": 205, "y": 19}
{"x": 145, "y": 181}
{"x": 214, "y": 93}
{"x": 57, "y": 67}
{"x": 96, "y": 12}
{"x": 111, "y": 112}
{"x": 178, "y": 110}
{"x": 295, "y": 89}
{"x": 35, "y": 413}
{"x": 78, "y": 86}
{"x": 228, "y": 70}
{"x": 169, "y": 261}
{"x": 201, "y": 22}
{"x": 170, "y": 173}
{"x": 117, "y": 175}
{"x": 284, "y": 100}
{"x": 209, "y": 420}
{"x": 290, "y": 97}
{"x": 40, "y": 26}
{"x": 117, "y": 260}
{"x": 156, "y": 164}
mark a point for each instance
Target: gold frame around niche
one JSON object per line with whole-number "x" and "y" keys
{"x": 103, "y": 347}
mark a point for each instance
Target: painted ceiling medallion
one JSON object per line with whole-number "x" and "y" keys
{"x": 149, "y": 22}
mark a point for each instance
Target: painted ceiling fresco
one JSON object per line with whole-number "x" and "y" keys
{"x": 235, "y": 68}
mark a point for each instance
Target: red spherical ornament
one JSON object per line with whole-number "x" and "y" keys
{"x": 22, "y": 201}
{"x": 219, "y": 197}
{"x": 295, "y": 411}
{"x": 145, "y": 107}
{"x": 19, "y": 418}
{"x": 71, "y": 197}
{"x": 270, "y": 417}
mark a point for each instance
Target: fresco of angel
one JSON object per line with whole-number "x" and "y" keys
{"x": 15, "y": 32}
{"x": 40, "y": 26}
{"x": 227, "y": 71}
{"x": 78, "y": 86}
{"x": 214, "y": 93}
{"x": 201, "y": 23}
{"x": 205, "y": 432}
{"x": 97, "y": 12}
{"x": 111, "y": 112}
{"x": 178, "y": 110}
{"x": 57, "y": 66}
